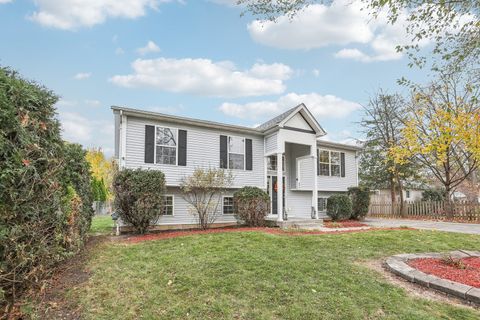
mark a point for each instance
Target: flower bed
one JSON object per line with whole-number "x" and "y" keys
{"x": 344, "y": 224}
{"x": 465, "y": 270}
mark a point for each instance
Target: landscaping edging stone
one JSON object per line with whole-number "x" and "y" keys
{"x": 398, "y": 265}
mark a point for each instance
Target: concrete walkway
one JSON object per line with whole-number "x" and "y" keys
{"x": 470, "y": 228}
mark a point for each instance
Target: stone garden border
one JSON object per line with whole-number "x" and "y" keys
{"x": 398, "y": 265}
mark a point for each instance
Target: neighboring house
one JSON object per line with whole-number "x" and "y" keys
{"x": 384, "y": 195}
{"x": 282, "y": 156}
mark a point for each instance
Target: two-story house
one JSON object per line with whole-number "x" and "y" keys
{"x": 283, "y": 156}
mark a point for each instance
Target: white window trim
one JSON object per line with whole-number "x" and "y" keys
{"x": 326, "y": 199}
{"x": 330, "y": 162}
{"x": 284, "y": 163}
{"x": 244, "y": 152}
{"x": 176, "y": 147}
{"x": 173, "y": 205}
{"x": 223, "y": 209}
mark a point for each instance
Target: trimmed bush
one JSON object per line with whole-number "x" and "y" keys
{"x": 251, "y": 204}
{"x": 45, "y": 195}
{"x": 139, "y": 197}
{"x": 360, "y": 197}
{"x": 339, "y": 207}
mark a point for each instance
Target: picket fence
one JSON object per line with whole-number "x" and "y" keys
{"x": 438, "y": 210}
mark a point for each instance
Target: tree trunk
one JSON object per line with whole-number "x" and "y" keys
{"x": 400, "y": 192}
{"x": 392, "y": 194}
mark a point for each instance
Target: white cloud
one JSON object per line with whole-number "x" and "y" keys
{"x": 82, "y": 76}
{"x": 119, "y": 51}
{"x": 76, "y": 128}
{"x": 73, "y": 14}
{"x": 93, "y": 103}
{"x": 314, "y": 27}
{"x": 316, "y": 73}
{"x": 205, "y": 77}
{"x": 322, "y": 106}
{"x": 5, "y": 1}
{"x": 150, "y": 47}
{"x": 343, "y": 22}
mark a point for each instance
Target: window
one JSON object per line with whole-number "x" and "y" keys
{"x": 166, "y": 145}
{"x": 324, "y": 163}
{"x": 329, "y": 163}
{"x": 322, "y": 204}
{"x": 227, "y": 205}
{"x": 335, "y": 164}
{"x": 272, "y": 163}
{"x": 236, "y": 153}
{"x": 167, "y": 206}
{"x": 407, "y": 194}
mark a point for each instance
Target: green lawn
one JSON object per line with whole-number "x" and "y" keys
{"x": 101, "y": 225}
{"x": 261, "y": 276}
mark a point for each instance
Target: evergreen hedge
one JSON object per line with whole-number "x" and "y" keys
{"x": 252, "y": 205}
{"x": 45, "y": 195}
{"x": 339, "y": 207}
{"x": 360, "y": 197}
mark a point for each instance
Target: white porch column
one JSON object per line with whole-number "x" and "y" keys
{"x": 315, "y": 185}
{"x": 279, "y": 187}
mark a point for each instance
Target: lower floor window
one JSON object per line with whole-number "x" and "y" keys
{"x": 227, "y": 205}
{"x": 322, "y": 204}
{"x": 168, "y": 206}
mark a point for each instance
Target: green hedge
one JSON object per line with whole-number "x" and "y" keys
{"x": 139, "y": 197}
{"x": 360, "y": 197}
{"x": 339, "y": 207}
{"x": 251, "y": 204}
{"x": 45, "y": 195}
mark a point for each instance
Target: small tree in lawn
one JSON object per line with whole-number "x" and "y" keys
{"x": 252, "y": 205}
{"x": 203, "y": 190}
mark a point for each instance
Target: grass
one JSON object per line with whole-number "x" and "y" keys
{"x": 101, "y": 225}
{"x": 254, "y": 275}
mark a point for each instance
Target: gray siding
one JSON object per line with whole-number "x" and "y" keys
{"x": 183, "y": 212}
{"x": 271, "y": 143}
{"x": 116, "y": 120}
{"x": 299, "y": 204}
{"x": 203, "y": 150}
{"x": 340, "y": 183}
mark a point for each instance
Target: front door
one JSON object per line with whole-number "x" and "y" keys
{"x": 272, "y": 191}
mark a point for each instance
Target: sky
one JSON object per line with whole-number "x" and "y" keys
{"x": 202, "y": 59}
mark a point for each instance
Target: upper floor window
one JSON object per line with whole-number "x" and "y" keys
{"x": 166, "y": 145}
{"x": 329, "y": 163}
{"x": 272, "y": 163}
{"x": 236, "y": 152}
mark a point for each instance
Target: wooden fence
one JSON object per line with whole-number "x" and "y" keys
{"x": 438, "y": 210}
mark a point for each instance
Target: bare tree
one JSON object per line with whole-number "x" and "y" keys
{"x": 203, "y": 190}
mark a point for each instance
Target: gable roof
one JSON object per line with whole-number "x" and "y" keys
{"x": 260, "y": 130}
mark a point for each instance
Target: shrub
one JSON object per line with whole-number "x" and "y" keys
{"x": 360, "y": 197}
{"x": 251, "y": 204}
{"x": 203, "y": 190}
{"x": 45, "y": 200}
{"x": 339, "y": 207}
{"x": 433, "y": 195}
{"x": 139, "y": 197}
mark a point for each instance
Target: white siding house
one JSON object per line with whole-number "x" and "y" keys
{"x": 285, "y": 157}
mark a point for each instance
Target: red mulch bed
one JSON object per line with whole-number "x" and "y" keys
{"x": 344, "y": 224}
{"x": 470, "y": 275}
{"x": 181, "y": 233}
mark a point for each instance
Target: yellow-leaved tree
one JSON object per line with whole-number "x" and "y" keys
{"x": 442, "y": 130}
{"x": 102, "y": 172}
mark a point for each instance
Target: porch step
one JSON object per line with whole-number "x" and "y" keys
{"x": 299, "y": 223}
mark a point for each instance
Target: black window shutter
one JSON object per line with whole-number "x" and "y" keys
{"x": 149, "y": 144}
{"x": 182, "y": 147}
{"x": 318, "y": 162}
{"x": 223, "y": 152}
{"x": 342, "y": 162}
{"x": 248, "y": 154}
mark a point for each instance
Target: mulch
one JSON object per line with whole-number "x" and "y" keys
{"x": 469, "y": 274}
{"x": 344, "y": 224}
{"x": 174, "y": 234}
